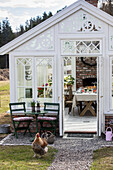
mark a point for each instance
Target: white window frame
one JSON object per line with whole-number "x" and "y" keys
{"x": 33, "y": 76}
{"x": 81, "y": 53}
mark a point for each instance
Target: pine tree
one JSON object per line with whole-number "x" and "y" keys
{"x": 6, "y": 32}
{"x": 45, "y": 16}
{"x": 21, "y": 30}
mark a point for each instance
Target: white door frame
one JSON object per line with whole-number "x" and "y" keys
{"x": 100, "y": 95}
{"x": 99, "y": 90}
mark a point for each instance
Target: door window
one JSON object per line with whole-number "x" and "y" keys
{"x": 44, "y": 75}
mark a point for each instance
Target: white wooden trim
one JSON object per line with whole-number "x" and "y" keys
{"x": 56, "y": 65}
{"x": 60, "y": 93}
{"x": 81, "y": 4}
{"x": 11, "y": 77}
{"x": 81, "y": 36}
{"x": 100, "y": 109}
{"x": 33, "y": 53}
{"x": 110, "y": 113}
{"x": 110, "y": 90}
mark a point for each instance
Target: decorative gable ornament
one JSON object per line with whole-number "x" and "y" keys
{"x": 89, "y": 24}
{"x": 80, "y": 21}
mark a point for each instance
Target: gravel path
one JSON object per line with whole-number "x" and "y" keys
{"x": 73, "y": 154}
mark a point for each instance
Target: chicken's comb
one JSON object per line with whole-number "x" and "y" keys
{"x": 37, "y": 135}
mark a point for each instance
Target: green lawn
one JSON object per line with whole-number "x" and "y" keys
{"x": 4, "y": 102}
{"x": 4, "y": 86}
{"x": 103, "y": 159}
{"x": 21, "y": 158}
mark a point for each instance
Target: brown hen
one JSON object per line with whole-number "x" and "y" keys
{"x": 39, "y": 145}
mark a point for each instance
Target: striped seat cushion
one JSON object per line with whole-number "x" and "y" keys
{"x": 46, "y": 118}
{"x": 23, "y": 118}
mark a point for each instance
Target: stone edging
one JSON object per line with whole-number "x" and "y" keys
{"x": 7, "y": 137}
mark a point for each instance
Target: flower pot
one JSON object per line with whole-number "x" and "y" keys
{"x": 5, "y": 128}
{"x": 69, "y": 86}
{"x": 33, "y": 108}
{"x": 38, "y": 108}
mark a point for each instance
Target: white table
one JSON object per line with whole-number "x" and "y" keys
{"x": 88, "y": 99}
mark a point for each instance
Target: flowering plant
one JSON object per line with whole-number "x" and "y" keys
{"x": 46, "y": 84}
{"x": 40, "y": 89}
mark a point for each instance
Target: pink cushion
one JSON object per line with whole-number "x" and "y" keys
{"x": 46, "y": 118}
{"x": 23, "y": 118}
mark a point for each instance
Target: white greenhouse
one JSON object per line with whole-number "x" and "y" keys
{"x": 78, "y": 43}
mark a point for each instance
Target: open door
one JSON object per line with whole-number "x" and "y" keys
{"x": 74, "y": 121}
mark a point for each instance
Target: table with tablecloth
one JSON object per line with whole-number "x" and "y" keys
{"x": 88, "y": 99}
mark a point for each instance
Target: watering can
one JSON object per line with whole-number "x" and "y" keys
{"x": 109, "y": 134}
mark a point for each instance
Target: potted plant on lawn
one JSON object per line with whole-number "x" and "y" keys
{"x": 33, "y": 105}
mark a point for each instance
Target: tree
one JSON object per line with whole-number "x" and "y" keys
{"x": 50, "y": 14}
{"x": 38, "y": 20}
{"x": 0, "y": 34}
{"x": 27, "y": 25}
{"x": 107, "y": 6}
{"x": 6, "y": 32}
{"x": 21, "y": 30}
{"x": 45, "y": 16}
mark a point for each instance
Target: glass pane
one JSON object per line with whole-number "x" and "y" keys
{"x": 69, "y": 62}
{"x": 48, "y": 92}
{"x": 28, "y": 93}
{"x": 44, "y": 78}
{"x": 112, "y": 70}
{"x": 67, "y": 66}
{"x": 95, "y": 51}
{"x": 28, "y": 75}
{"x": 40, "y": 92}
{"x": 74, "y": 47}
{"x": 20, "y": 75}
{"x": 69, "y": 72}
{"x": 20, "y": 94}
{"x": 40, "y": 76}
{"x": 81, "y": 47}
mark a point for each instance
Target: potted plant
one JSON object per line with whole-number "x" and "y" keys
{"x": 38, "y": 106}
{"x": 69, "y": 80}
{"x": 33, "y": 105}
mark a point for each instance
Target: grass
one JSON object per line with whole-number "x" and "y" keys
{"x": 21, "y": 158}
{"x": 4, "y": 102}
{"x": 2, "y": 136}
{"x": 103, "y": 159}
{"x": 4, "y": 86}
{"x": 18, "y": 157}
